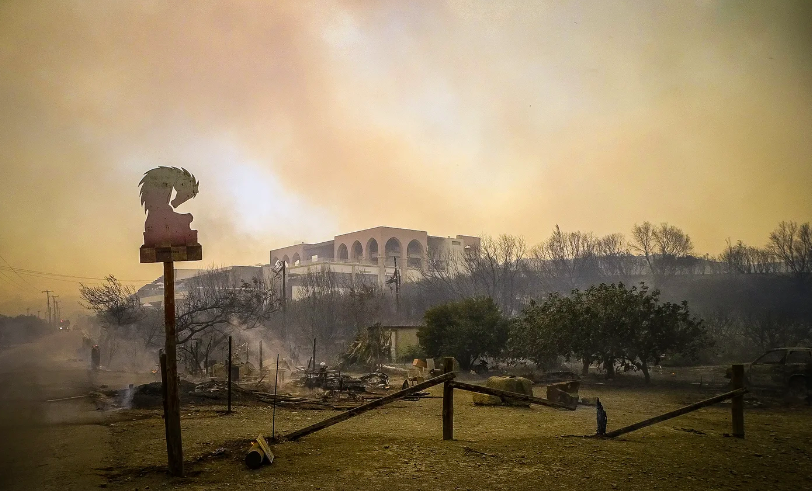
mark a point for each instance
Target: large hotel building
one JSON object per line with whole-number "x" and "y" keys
{"x": 372, "y": 254}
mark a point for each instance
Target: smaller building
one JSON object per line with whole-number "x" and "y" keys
{"x": 401, "y": 338}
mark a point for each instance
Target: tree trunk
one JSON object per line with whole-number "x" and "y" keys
{"x": 644, "y": 367}
{"x": 585, "y": 369}
{"x": 609, "y": 365}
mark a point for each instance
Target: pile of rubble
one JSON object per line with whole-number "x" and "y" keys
{"x": 334, "y": 392}
{"x": 334, "y": 380}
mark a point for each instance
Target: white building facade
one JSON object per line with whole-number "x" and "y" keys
{"x": 372, "y": 254}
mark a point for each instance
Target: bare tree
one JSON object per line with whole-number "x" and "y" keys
{"x": 126, "y": 324}
{"x": 792, "y": 243}
{"x": 115, "y": 304}
{"x": 217, "y": 298}
{"x": 667, "y": 249}
{"x": 495, "y": 269}
{"x": 199, "y": 350}
{"x": 567, "y": 256}
{"x": 771, "y": 330}
{"x": 362, "y": 303}
{"x": 331, "y": 307}
{"x": 614, "y": 257}
{"x": 444, "y": 278}
{"x": 744, "y": 259}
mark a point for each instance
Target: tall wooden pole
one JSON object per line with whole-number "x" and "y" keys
{"x": 260, "y": 358}
{"x": 738, "y": 402}
{"x": 448, "y": 401}
{"x": 48, "y": 300}
{"x": 174, "y": 447}
{"x": 229, "y": 374}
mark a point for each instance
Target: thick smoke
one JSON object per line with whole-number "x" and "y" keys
{"x": 592, "y": 116}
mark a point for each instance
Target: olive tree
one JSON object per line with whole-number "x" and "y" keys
{"x": 607, "y": 324}
{"x": 467, "y": 330}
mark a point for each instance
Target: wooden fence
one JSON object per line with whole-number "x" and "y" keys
{"x": 737, "y": 408}
{"x": 449, "y": 384}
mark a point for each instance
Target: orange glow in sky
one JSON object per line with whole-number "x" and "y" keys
{"x": 307, "y": 119}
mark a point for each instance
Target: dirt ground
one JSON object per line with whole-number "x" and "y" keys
{"x": 70, "y": 445}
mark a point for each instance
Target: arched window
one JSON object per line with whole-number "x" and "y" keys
{"x": 286, "y": 260}
{"x": 414, "y": 252}
{"x": 372, "y": 250}
{"x": 392, "y": 250}
{"x": 296, "y": 259}
{"x": 357, "y": 251}
{"x": 343, "y": 253}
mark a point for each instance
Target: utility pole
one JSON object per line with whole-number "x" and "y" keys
{"x": 395, "y": 279}
{"x": 56, "y": 309}
{"x": 281, "y": 267}
{"x": 284, "y": 301}
{"x": 397, "y": 286}
{"x": 48, "y": 300}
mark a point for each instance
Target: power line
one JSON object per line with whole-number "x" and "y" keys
{"x": 18, "y": 274}
{"x": 43, "y": 274}
{"x": 51, "y": 278}
{"x": 11, "y": 280}
{"x": 56, "y": 278}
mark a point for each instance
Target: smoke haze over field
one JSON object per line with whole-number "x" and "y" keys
{"x": 303, "y": 120}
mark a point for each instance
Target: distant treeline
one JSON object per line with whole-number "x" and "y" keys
{"x": 22, "y": 329}
{"x": 747, "y": 298}
{"x": 750, "y": 298}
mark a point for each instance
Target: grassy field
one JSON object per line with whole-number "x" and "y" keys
{"x": 401, "y": 447}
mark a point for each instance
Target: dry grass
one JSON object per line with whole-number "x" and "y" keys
{"x": 69, "y": 445}
{"x": 401, "y": 447}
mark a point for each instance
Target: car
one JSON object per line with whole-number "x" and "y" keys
{"x": 784, "y": 369}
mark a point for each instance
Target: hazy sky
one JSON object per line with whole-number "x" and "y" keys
{"x": 307, "y": 119}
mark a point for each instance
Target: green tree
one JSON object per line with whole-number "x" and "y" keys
{"x": 608, "y": 324}
{"x": 466, "y": 330}
{"x": 656, "y": 329}
{"x": 551, "y": 328}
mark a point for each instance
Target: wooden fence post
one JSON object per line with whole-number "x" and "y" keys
{"x": 448, "y": 401}
{"x": 738, "y": 402}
